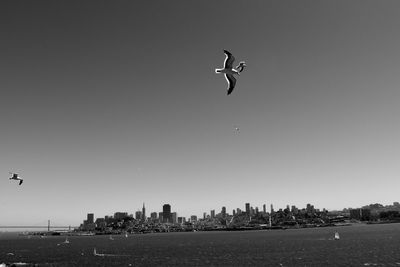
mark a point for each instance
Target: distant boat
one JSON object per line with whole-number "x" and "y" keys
{"x": 106, "y": 255}
{"x": 111, "y": 238}
{"x": 337, "y": 237}
{"x": 126, "y": 235}
{"x": 65, "y": 242}
{"x": 97, "y": 254}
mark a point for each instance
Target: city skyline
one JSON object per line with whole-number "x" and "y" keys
{"x": 248, "y": 209}
{"x": 140, "y": 214}
{"x": 112, "y": 104}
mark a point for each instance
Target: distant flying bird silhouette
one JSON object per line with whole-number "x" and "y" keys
{"x": 229, "y": 71}
{"x": 15, "y": 177}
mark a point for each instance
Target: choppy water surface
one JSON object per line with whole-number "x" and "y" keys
{"x": 363, "y": 245}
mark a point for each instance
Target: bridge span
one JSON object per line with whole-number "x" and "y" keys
{"x": 35, "y": 226}
{"x": 48, "y": 226}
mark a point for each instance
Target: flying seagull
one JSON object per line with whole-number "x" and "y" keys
{"x": 15, "y": 177}
{"x": 229, "y": 71}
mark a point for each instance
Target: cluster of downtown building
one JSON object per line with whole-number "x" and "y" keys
{"x": 167, "y": 220}
{"x": 250, "y": 218}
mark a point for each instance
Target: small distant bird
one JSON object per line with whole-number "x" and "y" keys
{"x": 237, "y": 129}
{"x": 16, "y": 177}
{"x": 229, "y": 71}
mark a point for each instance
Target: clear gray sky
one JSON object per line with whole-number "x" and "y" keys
{"x": 105, "y": 105}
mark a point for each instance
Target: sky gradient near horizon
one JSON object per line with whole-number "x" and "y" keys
{"x": 109, "y": 104}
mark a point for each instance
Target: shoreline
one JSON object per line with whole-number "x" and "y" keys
{"x": 246, "y": 228}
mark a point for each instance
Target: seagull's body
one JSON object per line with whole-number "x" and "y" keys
{"x": 229, "y": 71}
{"x": 16, "y": 177}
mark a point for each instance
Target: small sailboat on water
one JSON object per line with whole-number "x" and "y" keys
{"x": 111, "y": 238}
{"x": 65, "y": 242}
{"x": 106, "y": 255}
{"x": 337, "y": 237}
{"x": 97, "y": 254}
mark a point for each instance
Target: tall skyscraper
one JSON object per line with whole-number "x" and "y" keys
{"x": 88, "y": 225}
{"x": 138, "y": 215}
{"x": 294, "y": 209}
{"x": 143, "y": 213}
{"x": 174, "y": 217}
{"x": 212, "y": 213}
{"x": 264, "y": 208}
{"x": 223, "y": 212}
{"x": 248, "y": 208}
{"x": 288, "y": 208}
{"x": 310, "y": 208}
{"x": 90, "y": 218}
{"x": 167, "y": 213}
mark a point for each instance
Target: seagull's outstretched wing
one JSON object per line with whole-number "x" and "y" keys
{"x": 228, "y": 60}
{"x": 20, "y": 182}
{"x": 231, "y": 82}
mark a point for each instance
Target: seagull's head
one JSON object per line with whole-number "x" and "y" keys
{"x": 241, "y": 66}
